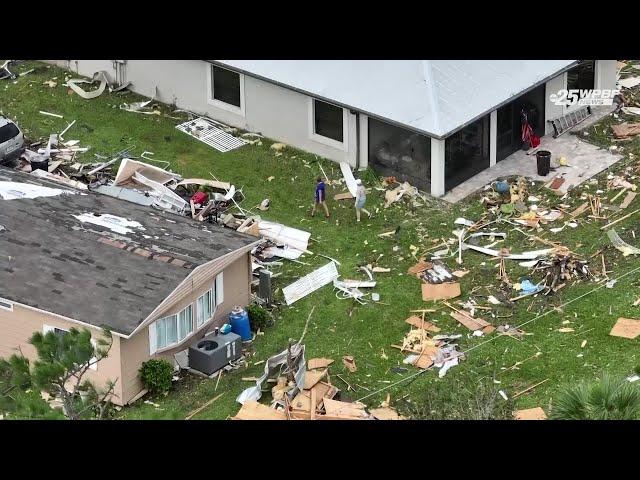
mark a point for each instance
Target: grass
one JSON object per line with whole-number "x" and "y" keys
{"x": 341, "y": 327}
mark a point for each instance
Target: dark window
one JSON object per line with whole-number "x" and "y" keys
{"x": 60, "y": 333}
{"x": 401, "y": 153}
{"x": 327, "y": 120}
{"x": 582, "y": 76}
{"x": 226, "y": 86}
{"x": 8, "y": 131}
{"x": 466, "y": 152}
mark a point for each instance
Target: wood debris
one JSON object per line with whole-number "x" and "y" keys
{"x": 625, "y": 130}
{"x": 350, "y": 362}
{"x": 315, "y": 363}
{"x": 626, "y": 328}
{"x": 536, "y": 413}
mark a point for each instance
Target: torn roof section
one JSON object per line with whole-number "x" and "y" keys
{"x": 436, "y": 97}
{"x": 113, "y": 270}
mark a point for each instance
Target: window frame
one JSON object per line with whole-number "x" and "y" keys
{"x": 6, "y": 304}
{"x": 201, "y": 320}
{"x": 326, "y": 140}
{"x": 211, "y": 100}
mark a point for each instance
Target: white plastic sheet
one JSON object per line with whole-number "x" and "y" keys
{"x": 349, "y": 178}
{"x": 310, "y": 283}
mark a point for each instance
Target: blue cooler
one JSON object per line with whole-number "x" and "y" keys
{"x": 239, "y": 320}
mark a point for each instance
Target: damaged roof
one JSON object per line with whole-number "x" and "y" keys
{"x": 436, "y": 97}
{"x": 111, "y": 275}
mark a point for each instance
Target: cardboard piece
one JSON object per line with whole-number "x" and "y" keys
{"x": 625, "y": 130}
{"x": 626, "y": 328}
{"x": 418, "y": 323}
{"x": 536, "y": 413}
{"x": 440, "y": 291}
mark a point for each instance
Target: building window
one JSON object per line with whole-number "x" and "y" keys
{"x": 6, "y": 304}
{"x": 174, "y": 328}
{"x": 205, "y": 307}
{"x": 226, "y": 86}
{"x": 328, "y": 120}
{"x": 582, "y": 76}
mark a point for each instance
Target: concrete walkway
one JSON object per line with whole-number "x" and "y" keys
{"x": 586, "y": 160}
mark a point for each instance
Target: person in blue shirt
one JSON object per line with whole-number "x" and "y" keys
{"x": 320, "y": 198}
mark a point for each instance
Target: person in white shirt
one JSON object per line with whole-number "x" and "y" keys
{"x": 361, "y": 198}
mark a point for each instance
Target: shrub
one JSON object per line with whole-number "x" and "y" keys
{"x": 604, "y": 399}
{"x": 637, "y": 370}
{"x": 259, "y": 317}
{"x": 156, "y": 375}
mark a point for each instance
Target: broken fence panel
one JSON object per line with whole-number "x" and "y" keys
{"x": 310, "y": 283}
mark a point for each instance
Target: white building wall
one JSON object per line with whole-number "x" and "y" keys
{"x": 271, "y": 110}
{"x": 552, "y": 111}
{"x": 606, "y": 74}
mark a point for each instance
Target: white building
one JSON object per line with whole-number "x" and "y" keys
{"x": 435, "y": 123}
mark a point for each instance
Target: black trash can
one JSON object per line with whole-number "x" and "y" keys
{"x": 543, "y": 158}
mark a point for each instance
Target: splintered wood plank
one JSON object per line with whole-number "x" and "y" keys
{"x": 626, "y": 328}
{"x": 536, "y": 413}
{"x": 580, "y": 210}
{"x": 417, "y": 322}
{"x": 312, "y": 377}
{"x": 472, "y": 323}
{"x": 419, "y": 267}
{"x": 314, "y": 363}
{"x": 343, "y": 196}
{"x": 252, "y": 410}
{"x": 628, "y": 199}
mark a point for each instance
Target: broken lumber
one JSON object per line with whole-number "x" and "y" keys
{"x": 619, "y": 220}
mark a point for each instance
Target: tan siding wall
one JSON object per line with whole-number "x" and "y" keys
{"x": 17, "y": 327}
{"x": 135, "y": 350}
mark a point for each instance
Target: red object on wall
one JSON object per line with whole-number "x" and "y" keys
{"x": 200, "y": 197}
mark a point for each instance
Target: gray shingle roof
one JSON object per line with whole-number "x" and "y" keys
{"x": 52, "y": 261}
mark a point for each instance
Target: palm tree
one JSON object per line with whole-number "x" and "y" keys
{"x": 604, "y": 399}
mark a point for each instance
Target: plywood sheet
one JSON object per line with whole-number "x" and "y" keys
{"x": 252, "y": 410}
{"x": 314, "y": 363}
{"x": 312, "y": 377}
{"x": 440, "y": 291}
{"x": 628, "y": 199}
{"x": 626, "y": 328}
{"x": 536, "y": 413}
{"x": 344, "y": 409}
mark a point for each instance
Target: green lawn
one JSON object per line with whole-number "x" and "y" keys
{"x": 342, "y": 327}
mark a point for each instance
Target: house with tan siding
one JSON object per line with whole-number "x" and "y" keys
{"x": 156, "y": 280}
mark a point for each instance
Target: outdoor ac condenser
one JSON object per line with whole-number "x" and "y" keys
{"x": 211, "y": 353}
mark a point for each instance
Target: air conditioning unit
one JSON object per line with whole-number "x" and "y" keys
{"x": 211, "y": 353}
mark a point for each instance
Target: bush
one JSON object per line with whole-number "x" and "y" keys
{"x": 637, "y": 370}
{"x": 156, "y": 375}
{"x": 604, "y": 399}
{"x": 259, "y": 317}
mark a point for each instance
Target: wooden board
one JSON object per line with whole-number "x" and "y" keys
{"x": 625, "y": 130}
{"x": 256, "y": 411}
{"x": 385, "y": 414}
{"x": 580, "y": 210}
{"x": 343, "y": 196}
{"x": 418, "y": 323}
{"x": 556, "y": 183}
{"x": 302, "y": 400}
{"x": 419, "y": 267}
{"x": 314, "y": 363}
{"x": 531, "y": 414}
{"x": 311, "y": 377}
{"x": 626, "y": 328}
{"x": 344, "y": 409}
{"x": 628, "y": 199}
{"x": 470, "y": 322}
{"x": 425, "y": 359}
{"x": 440, "y": 291}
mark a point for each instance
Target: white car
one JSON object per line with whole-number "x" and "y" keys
{"x": 11, "y": 141}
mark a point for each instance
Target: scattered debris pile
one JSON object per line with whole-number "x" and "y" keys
{"x": 303, "y": 392}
